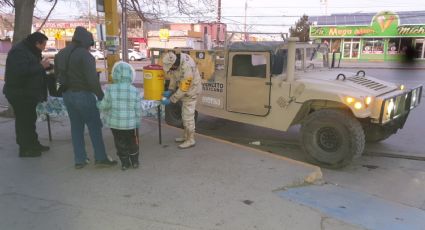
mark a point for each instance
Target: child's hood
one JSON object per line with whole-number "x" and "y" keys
{"x": 122, "y": 72}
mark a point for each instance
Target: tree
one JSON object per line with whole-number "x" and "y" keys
{"x": 157, "y": 9}
{"x": 302, "y": 29}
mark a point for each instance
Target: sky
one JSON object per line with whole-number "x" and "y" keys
{"x": 261, "y": 15}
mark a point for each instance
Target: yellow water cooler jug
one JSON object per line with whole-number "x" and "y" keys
{"x": 153, "y": 82}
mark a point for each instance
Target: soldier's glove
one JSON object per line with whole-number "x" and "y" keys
{"x": 167, "y": 93}
{"x": 165, "y": 101}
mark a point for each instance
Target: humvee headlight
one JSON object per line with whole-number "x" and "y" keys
{"x": 358, "y": 105}
{"x": 402, "y": 87}
{"x": 413, "y": 97}
{"x": 368, "y": 100}
{"x": 390, "y": 107}
{"x": 349, "y": 100}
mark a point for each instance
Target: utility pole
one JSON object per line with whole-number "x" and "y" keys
{"x": 124, "y": 50}
{"x": 112, "y": 38}
{"x": 89, "y": 14}
{"x": 218, "y": 22}
{"x": 246, "y": 9}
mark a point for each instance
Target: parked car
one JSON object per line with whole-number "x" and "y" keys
{"x": 134, "y": 55}
{"x": 97, "y": 54}
{"x": 49, "y": 52}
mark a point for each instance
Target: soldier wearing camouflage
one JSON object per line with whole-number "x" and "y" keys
{"x": 182, "y": 71}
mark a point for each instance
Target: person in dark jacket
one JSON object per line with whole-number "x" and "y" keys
{"x": 24, "y": 87}
{"x": 76, "y": 70}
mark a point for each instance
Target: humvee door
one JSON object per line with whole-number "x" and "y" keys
{"x": 248, "y": 83}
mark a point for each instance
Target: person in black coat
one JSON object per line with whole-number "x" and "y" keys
{"x": 24, "y": 88}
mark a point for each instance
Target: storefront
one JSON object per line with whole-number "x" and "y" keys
{"x": 366, "y": 36}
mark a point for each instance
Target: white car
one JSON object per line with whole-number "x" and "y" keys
{"x": 134, "y": 55}
{"x": 49, "y": 52}
{"x": 97, "y": 54}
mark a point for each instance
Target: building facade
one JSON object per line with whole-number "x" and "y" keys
{"x": 202, "y": 35}
{"x": 382, "y": 36}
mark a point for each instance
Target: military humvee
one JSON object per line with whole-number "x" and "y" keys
{"x": 280, "y": 84}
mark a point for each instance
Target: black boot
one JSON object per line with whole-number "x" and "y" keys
{"x": 134, "y": 158}
{"x": 125, "y": 163}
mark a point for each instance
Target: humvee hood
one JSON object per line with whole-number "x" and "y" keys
{"x": 363, "y": 85}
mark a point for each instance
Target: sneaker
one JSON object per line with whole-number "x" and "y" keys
{"x": 82, "y": 165}
{"x": 41, "y": 148}
{"x": 105, "y": 163}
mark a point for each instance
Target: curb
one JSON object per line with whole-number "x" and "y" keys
{"x": 315, "y": 176}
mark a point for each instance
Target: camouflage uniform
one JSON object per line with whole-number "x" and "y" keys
{"x": 187, "y": 77}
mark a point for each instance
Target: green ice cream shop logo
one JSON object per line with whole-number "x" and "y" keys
{"x": 385, "y": 23}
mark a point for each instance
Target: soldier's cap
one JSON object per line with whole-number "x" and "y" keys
{"x": 168, "y": 61}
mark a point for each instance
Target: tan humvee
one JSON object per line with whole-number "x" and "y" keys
{"x": 280, "y": 84}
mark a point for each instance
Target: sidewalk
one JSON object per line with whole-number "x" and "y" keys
{"x": 379, "y": 65}
{"x": 215, "y": 185}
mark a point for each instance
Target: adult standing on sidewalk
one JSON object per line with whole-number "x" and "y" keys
{"x": 24, "y": 88}
{"x": 182, "y": 71}
{"x": 76, "y": 69}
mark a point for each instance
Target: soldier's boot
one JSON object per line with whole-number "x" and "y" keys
{"x": 189, "y": 142}
{"x": 181, "y": 139}
{"x": 134, "y": 158}
{"x": 125, "y": 163}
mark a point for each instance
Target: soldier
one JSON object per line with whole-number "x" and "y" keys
{"x": 181, "y": 69}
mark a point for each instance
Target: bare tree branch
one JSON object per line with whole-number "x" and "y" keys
{"x": 7, "y": 3}
{"x": 48, "y": 15}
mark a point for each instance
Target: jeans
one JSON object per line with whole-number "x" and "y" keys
{"x": 82, "y": 110}
{"x": 25, "y": 118}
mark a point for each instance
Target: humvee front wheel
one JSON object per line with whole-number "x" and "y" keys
{"x": 332, "y": 138}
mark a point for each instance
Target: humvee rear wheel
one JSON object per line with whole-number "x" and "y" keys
{"x": 173, "y": 114}
{"x": 332, "y": 138}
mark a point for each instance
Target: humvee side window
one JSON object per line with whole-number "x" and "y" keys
{"x": 247, "y": 65}
{"x": 279, "y": 61}
{"x": 299, "y": 59}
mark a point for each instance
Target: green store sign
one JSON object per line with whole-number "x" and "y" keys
{"x": 383, "y": 24}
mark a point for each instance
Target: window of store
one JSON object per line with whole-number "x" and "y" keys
{"x": 394, "y": 45}
{"x": 373, "y": 46}
{"x": 405, "y": 43}
{"x": 333, "y": 44}
{"x": 420, "y": 48}
{"x": 351, "y": 48}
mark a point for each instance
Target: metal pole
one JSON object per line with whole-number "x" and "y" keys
{"x": 159, "y": 124}
{"x": 124, "y": 32}
{"x": 218, "y": 22}
{"x": 48, "y": 127}
{"x": 246, "y": 8}
{"x": 111, "y": 23}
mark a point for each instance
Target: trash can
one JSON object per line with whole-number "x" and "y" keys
{"x": 153, "y": 82}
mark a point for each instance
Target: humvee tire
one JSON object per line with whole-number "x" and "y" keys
{"x": 332, "y": 138}
{"x": 173, "y": 114}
